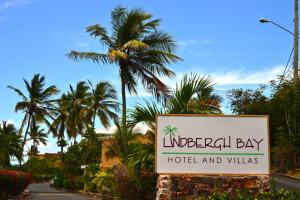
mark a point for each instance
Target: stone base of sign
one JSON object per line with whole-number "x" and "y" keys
{"x": 174, "y": 187}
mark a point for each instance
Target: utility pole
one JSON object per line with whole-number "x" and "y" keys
{"x": 295, "y": 73}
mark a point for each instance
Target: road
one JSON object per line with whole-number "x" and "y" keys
{"x": 42, "y": 191}
{"x": 286, "y": 182}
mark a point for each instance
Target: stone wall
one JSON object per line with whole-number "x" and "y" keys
{"x": 173, "y": 187}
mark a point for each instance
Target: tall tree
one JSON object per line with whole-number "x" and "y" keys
{"x": 9, "y": 144}
{"x": 138, "y": 49}
{"x": 78, "y": 109}
{"x": 38, "y": 105}
{"x": 59, "y": 124}
{"x": 38, "y": 136}
{"x": 103, "y": 103}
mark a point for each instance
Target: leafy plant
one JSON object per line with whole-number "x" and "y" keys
{"x": 38, "y": 105}
{"x": 248, "y": 195}
{"x": 12, "y": 183}
{"x": 105, "y": 183}
{"x": 140, "y": 51}
{"x": 9, "y": 144}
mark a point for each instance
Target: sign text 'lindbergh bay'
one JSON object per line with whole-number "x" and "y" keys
{"x": 212, "y": 144}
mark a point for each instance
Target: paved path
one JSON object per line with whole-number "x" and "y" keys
{"x": 42, "y": 191}
{"x": 285, "y": 182}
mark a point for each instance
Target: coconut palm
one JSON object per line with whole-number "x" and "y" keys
{"x": 38, "y": 106}
{"x": 194, "y": 95}
{"x": 78, "y": 109}
{"x": 59, "y": 124}
{"x": 103, "y": 103}
{"x": 138, "y": 49}
{"x": 61, "y": 142}
{"x": 91, "y": 147}
{"x": 38, "y": 136}
{"x": 9, "y": 144}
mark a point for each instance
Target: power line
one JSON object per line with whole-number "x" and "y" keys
{"x": 286, "y": 66}
{"x": 288, "y": 62}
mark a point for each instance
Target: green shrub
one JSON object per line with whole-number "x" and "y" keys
{"x": 59, "y": 179}
{"x": 105, "y": 183}
{"x": 43, "y": 167}
{"x": 88, "y": 175}
{"x": 72, "y": 162}
{"x": 73, "y": 183}
{"x": 248, "y": 195}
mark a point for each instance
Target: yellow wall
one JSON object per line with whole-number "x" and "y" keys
{"x": 105, "y": 161}
{"x": 110, "y": 162}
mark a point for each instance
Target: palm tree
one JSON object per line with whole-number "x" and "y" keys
{"x": 38, "y": 105}
{"x": 9, "y": 144}
{"x": 59, "y": 124}
{"x": 61, "y": 142}
{"x": 103, "y": 103}
{"x": 78, "y": 109}
{"x": 38, "y": 136}
{"x": 194, "y": 95}
{"x": 171, "y": 131}
{"x": 139, "y": 50}
{"x": 91, "y": 147}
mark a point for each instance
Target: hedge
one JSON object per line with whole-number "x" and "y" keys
{"x": 13, "y": 183}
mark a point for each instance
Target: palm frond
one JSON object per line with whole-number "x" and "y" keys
{"x": 92, "y": 56}
{"x": 159, "y": 40}
{"x": 100, "y": 32}
{"x": 18, "y": 92}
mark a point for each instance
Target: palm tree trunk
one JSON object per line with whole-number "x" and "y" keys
{"x": 61, "y": 152}
{"x": 124, "y": 128}
{"x": 94, "y": 119}
{"x": 24, "y": 140}
{"x": 75, "y": 139}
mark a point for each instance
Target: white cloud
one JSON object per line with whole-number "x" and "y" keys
{"x": 245, "y": 77}
{"x": 221, "y": 79}
{"x": 194, "y": 42}
{"x": 9, "y": 4}
{"x": 237, "y": 77}
{"x": 140, "y": 128}
{"x": 109, "y": 130}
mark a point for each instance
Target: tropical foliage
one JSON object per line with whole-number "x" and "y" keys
{"x": 193, "y": 95}
{"x": 140, "y": 51}
{"x": 43, "y": 167}
{"x": 38, "y": 106}
{"x": 9, "y": 144}
{"x": 142, "y": 54}
{"x": 12, "y": 183}
{"x": 245, "y": 195}
{"x": 281, "y": 106}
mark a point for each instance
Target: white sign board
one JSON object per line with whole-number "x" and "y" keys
{"x": 201, "y": 144}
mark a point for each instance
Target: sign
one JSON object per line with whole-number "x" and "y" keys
{"x": 210, "y": 144}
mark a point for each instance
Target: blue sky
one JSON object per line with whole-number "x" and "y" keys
{"x": 219, "y": 38}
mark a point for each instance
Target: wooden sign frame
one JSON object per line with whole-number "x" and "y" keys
{"x": 217, "y": 115}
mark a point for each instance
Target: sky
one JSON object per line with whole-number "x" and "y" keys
{"x": 222, "y": 39}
